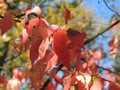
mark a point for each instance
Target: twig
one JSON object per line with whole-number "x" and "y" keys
{"x": 111, "y": 9}
{"x": 107, "y": 69}
{"x": 100, "y": 33}
{"x": 14, "y": 19}
{"x": 48, "y": 80}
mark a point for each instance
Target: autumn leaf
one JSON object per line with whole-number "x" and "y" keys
{"x": 79, "y": 65}
{"x": 31, "y": 19}
{"x": 80, "y": 86}
{"x": 98, "y": 84}
{"x": 45, "y": 29}
{"x": 67, "y": 15}
{"x": 51, "y": 86}
{"x": 38, "y": 70}
{"x": 97, "y": 54}
{"x": 36, "y": 10}
{"x": 35, "y": 43}
{"x": 52, "y": 62}
{"x": 60, "y": 47}
{"x": 113, "y": 46}
{"x": 2, "y": 80}
{"x": 6, "y": 23}
{"x": 76, "y": 37}
{"x": 67, "y": 82}
{"x": 37, "y": 73}
{"x": 114, "y": 86}
{"x": 24, "y": 36}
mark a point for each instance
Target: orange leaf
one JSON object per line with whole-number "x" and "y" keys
{"x": 60, "y": 47}
{"x": 6, "y": 23}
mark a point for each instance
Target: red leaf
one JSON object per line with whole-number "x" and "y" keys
{"x": 57, "y": 78}
{"x": 2, "y": 80}
{"x": 67, "y": 15}
{"x": 76, "y": 37}
{"x": 51, "y": 86}
{"x": 6, "y": 23}
{"x": 43, "y": 27}
{"x": 114, "y": 86}
{"x": 60, "y": 47}
{"x": 45, "y": 30}
{"x": 114, "y": 46}
{"x": 80, "y": 86}
{"x": 43, "y": 47}
{"x": 35, "y": 41}
{"x": 39, "y": 70}
{"x": 32, "y": 23}
{"x": 67, "y": 82}
{"x": 79, "y": 66}
{"x": 36, "y": 74}
{"x": 52, "y": 62}
{"x": 25, "y": 38}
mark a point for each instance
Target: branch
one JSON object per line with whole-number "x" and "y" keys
{"x": 107, "y": 69}
{"x": 111, "y": 9}
{"x": 15, "y": 16}
{"x": 100, "y": 33}
{"x": 48, "y": 80}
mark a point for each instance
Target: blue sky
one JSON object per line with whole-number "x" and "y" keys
{"x": 101, "y": 9}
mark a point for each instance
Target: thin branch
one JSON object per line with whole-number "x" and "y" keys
{"x": 107, "y": 69}
{"x": 16, "y": 20}
{"x": 100, "y": 33}
{"x": 19, "y": 16}
{"x": 111, "y": 9}
{"x": 48, "y": 80}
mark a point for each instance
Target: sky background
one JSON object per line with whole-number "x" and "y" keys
{"x": 101, "y": 9}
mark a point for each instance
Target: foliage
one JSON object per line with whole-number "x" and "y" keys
{"x": 44, "y": 49}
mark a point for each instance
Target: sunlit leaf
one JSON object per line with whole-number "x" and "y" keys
{"x": 98, "y": 84}
{"x": 60, "y": 47}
